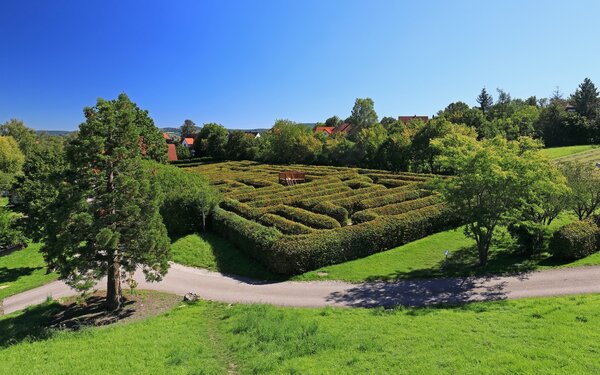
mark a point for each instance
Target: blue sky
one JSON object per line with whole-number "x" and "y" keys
{"x": 245, "y": 64}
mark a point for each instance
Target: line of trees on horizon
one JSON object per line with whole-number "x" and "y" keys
{"x": 389, "y": 143}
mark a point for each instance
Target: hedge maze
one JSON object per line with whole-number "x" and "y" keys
{"x": 338, "y": 214}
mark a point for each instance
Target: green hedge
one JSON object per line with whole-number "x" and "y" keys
{"x": 293, "y": 254}
{"x": 407, "y": 193}
{"x": 284, "y": 225}
{"x": 308, "y": 218}
{"x": 337, "y": 212}
{"x": 395, "y": 209}
{"x": 576, "y": 240}
{"x": 297, "y": 254}
{"x": 251, "y": 237}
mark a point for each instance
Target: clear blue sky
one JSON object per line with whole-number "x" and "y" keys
{"x": 245, "y": 64}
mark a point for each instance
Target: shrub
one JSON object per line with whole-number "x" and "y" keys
{"x": 307, "y": 218}
{"x": 183, "y": 193}
{"x": 338, "y": 213}
{"x": 576, "y": 240}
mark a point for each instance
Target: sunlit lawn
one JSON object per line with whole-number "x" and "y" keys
{"x": 547, "y": 336}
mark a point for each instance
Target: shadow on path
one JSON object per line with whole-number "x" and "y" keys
{"x": 453, "y": 291}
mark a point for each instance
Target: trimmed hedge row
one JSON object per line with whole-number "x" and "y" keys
{"x": 308, "y": 218}
{"x": 392, "y": 183}
{"x": 576, "y": 240}
{"x": 297, "y": 254}
{"x": 327, "y": 208}
{"x": 251, "y": 237}
{"x": 405, "y": 193}
{"x": 309, "y": 203}
{"x": 291, "y": 199}
{"x": 293, "y": 254}
{"x": 242, "y": 209}
{"x": 256, "y": 182}
{"x": 395, "y": 209}
{"x": 284, "y": 225}
{"x": 365, "y": 200}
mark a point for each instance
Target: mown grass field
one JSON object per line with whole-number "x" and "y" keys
{"x": 550, "y": 336}
{"x": 560, "y": 152}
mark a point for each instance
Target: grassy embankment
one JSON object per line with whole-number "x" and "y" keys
{"x": 550, "y": 335}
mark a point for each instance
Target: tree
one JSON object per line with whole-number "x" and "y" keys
{"x": 38, "y": 187}
{"x": 188, "y": 128}
{"x": 586, "y": 100}
{"x": 394, "y": 154}
{"x": 333, "y": 121}
{"x": 10, "y": 235}
{"x": 241, "y": 146}
{"x": 584, "y": 181}
{"x": 182, "y": 152}
{"x": 424, "y": 153}
{"x": 363, "y": 114}
{"x": 211, "y": 141}
{"x": 24, "y": 136}
{"x": 208, "y": 199}
{"x": 289, "y": 143}
{"x": 494, "y": 181}
{"x": 105, "y": 220}
{"x": 485, "y": 101}
{"x": 11, "y": 162}
{"x": 368, "y": 141}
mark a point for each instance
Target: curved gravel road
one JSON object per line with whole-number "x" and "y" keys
{"x": 218, "y": 287}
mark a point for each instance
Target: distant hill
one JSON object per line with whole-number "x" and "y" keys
{"x": 56, "y": 133}
{"x": 169, "y": 130}
{"x": 309, "y": 125}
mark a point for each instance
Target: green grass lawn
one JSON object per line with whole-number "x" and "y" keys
{"x": 23, "y": 270}
{"x": 559, "y": 152}
{"x": 214, "y": 253}
{"x": 552, "y": 335}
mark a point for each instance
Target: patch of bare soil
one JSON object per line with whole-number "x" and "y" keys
{"x": 92, "y": 311}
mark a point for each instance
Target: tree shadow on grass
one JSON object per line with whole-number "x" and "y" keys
{"x": 464, "y": 263}
{"x": 42, "y": 321}
{"x": 8, "y": 275}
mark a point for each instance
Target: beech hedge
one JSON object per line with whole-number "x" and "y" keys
{"x": 308, "y": 218}
{"x": 337, "y": 212}
{"x": 293, "y": 254}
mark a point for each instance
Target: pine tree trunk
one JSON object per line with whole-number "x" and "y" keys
{"x": 113, "y": 287}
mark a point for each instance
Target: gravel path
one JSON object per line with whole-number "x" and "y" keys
{"x": 218, "y": 287}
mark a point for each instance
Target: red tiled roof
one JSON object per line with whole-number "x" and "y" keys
{"x": 344, "y": 128}
{"x": 166, "y": 136}
{"x": 189, "y": 141}
{"x": 407, "y": 119}
{"x": 172, "y": 154}
{"x": 326, "y": 129}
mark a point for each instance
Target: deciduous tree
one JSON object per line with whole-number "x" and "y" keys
{"x": 494, "y": 181}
